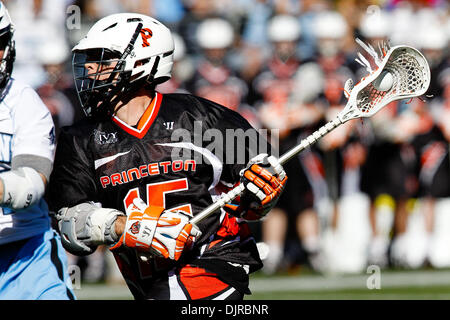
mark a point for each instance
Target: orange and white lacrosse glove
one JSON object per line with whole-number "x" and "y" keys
{"x": 157, "y": 231}
{"x": 264, "y": 179}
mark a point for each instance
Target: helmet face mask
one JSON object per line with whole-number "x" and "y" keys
{"x": 5, "y": 39}
{"x": 96, "y": 77}
{"x": 7, "y": 61}
{"x": 7, "y": 45}
{"x": 120, "y": 54}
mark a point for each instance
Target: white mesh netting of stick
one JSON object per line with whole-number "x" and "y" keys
{"x": 410, "y": 79}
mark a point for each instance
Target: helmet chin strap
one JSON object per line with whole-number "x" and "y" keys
{"x": 126, "y": 52}
{"x": 151, "y": 77}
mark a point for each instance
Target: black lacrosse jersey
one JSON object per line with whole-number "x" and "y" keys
{"x": 187, "y": 152}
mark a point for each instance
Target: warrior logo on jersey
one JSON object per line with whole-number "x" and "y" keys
{"x": 102, "y": 138}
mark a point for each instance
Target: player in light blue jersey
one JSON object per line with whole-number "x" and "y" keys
{"x": 33, "y": 263}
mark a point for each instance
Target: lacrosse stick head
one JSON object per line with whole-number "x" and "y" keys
{"x": 411, "y": 78}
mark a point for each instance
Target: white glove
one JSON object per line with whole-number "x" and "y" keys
{"x": 85, "y": 226}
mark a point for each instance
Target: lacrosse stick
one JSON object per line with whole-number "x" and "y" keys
{"x": 410, "y": 76}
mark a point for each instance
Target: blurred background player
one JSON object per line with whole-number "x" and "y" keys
{"x": 197, "y": 11}
{"x": 281, "y": 106}
{"x": 38, "y": 24}
{"x": 215, "y": 77}
{"x": 440, "y": 237}
{"x": 33, "y": 263}
{"x": 182, "y": 70}
{"x": 376, "y": 28}
{"x": 429, "y": 215}
{"x": 57, "y": 91}
{"x": 341, "y": 153}
{"x": 387, "y": 175}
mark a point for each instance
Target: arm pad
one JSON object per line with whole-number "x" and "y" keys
{"x": 22, "y": 188}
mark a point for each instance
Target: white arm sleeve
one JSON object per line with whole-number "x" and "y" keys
{"x": 32, "y": 148}
{"x": 34, "y": 132}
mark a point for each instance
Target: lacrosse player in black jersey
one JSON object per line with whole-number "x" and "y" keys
{"x": 121, "y": 178}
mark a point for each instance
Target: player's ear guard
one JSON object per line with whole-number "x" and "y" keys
{"x": 22, "y": 188}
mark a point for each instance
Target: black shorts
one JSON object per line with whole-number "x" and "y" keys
{"x": 385, "y": 172}
{"x": 193, "y": 283}
{"x": 437, "y": 185}
{"x": 298, "y": 194}
{"x": 186, "y": 282}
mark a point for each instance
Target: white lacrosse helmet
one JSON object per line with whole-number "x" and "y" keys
{"x": 283, "y": 28}
{"x": 142, "y": 49}
{"x": 330, "y": 25}
{"x": 53, "y": 52}
{"x": 6, "y": 44}
{"x": 330, "y": 29}
{"x": 215, "y": 33}
{"x": 433, "y": 37}
{"x": 375, "y": 25}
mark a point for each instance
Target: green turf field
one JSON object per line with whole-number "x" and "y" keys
{"x": 403, "y": 293}
{"x": 393, "y": 285}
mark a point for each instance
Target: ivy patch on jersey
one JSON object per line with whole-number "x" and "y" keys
{"x": 102, "y": 138}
